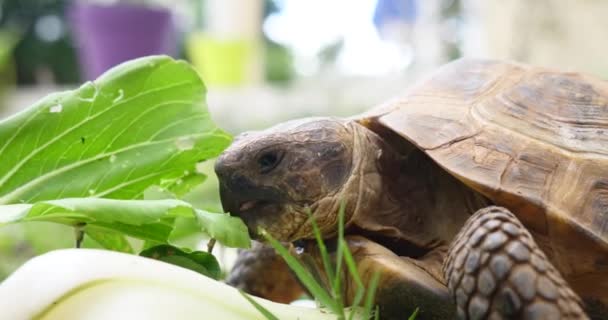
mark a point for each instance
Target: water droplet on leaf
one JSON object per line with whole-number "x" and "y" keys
{"x": 56, "y": 108}
{"x": 184, "y": 143}
{"x": 112, "y": 158}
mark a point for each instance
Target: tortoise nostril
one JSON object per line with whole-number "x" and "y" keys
{"x": 269, "y": 160}
{"x": 223, "y": 167}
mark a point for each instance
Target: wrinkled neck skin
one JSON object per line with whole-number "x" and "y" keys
{"x": 403, "y": 198}
{"x": 359, "y": 194}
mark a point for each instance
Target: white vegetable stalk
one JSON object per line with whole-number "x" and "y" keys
{"x": 96, "y": 284}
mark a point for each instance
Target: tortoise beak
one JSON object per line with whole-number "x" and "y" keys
{"x": 239, "y": 199}
{"x": 239, "y": 194}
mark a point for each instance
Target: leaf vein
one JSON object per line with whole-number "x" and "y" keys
{"x": 78, "y": 125}
{"x": 32, "y": 183}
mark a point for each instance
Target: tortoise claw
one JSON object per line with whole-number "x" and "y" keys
{"x": 495, "y": 270}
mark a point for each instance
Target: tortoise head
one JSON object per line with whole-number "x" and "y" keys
{"x": 274, "y": 178}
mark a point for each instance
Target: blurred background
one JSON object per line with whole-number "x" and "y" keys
{"x": 266, "y": 61}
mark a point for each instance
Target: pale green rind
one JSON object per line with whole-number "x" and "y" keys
{"x": 151, "y": 220}
{"x": 95, "y": 284}
{"x": 142, "y": 123}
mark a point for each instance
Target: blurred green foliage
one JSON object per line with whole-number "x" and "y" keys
{"x": 34, "y": 55}
{"x": 7, "y": 69}
{"x": 279, "y": 63}
{"x": 20, "y": 242}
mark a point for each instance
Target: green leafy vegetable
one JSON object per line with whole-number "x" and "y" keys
{"x": 199, "y": 261}
{"x": 71, "y": 156}
{"x": 141, "y": 123}
{"x": 151, "y": 220}
{"x": 109, "y": 239}
{"x": 230, "y": 231}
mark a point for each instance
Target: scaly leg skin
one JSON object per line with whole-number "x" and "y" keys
{"x": 261, "y": 272}
{"x": 404, "y": 283}
{"x": 495, "y": 270}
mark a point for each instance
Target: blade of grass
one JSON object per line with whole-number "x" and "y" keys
{"x": 371, "y": 292}
{"x": 414, "y": 315}
{"x": 325, "y": 258}
{"x": 356, "y": 302}
{"x": 339, "y": 258}
{"x": 304, "y": 275}
{"x": 351, "y": 265}
{"x": 340, "y": 250}
{"x": 352, "y": 268}
{"x": 310, "y": 264}
{"x": 267, "y": 314}
{"x": 322, "y": 248}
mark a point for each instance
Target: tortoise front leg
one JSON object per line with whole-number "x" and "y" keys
{"x": 260, "y": 271}
{"x": 495, "y": 270}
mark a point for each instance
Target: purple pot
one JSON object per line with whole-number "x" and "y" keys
{"x": 109, "y": 35}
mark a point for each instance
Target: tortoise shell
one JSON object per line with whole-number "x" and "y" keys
{"x": 530, "y": 139}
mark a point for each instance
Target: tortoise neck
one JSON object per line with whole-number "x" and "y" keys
{"x": 416, "y": 200}
{"x": 436, "y": 203}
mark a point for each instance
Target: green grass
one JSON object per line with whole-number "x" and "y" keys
{"x": 267, "y": 314}
{"x": 330, "y": 298}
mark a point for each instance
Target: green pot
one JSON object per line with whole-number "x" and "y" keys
{"x": 225, "y": 62}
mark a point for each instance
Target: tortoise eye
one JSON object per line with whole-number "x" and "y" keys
{"x": 269, "y": 160}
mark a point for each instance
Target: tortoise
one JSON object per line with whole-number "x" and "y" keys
{"x": 481, "y": 193}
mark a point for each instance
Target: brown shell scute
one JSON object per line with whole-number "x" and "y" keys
{"x": 560, "y": 109}
{"x": 516, "y": 134}
{"x": 530, "y": 139}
